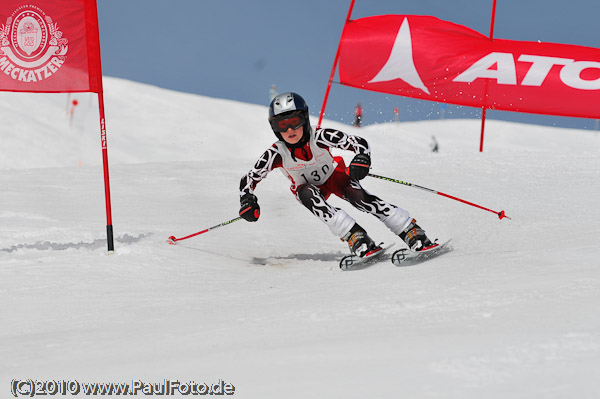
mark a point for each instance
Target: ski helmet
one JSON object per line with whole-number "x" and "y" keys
{"x": 285, "y": 105}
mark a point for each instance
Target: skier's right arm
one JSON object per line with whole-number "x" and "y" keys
{"x": 249, "y": 209}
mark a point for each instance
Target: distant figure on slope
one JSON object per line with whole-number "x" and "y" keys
{"x": 304, "y": 157}
{"x": 273, "y": 92}
{"x": 435, "y": 147}
{"x": 358, "y": 115}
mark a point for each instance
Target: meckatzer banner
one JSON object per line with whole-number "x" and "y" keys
{"x": 49, "y": 46}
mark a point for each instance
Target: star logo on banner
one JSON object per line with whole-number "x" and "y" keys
{"x": 400, "y": 64}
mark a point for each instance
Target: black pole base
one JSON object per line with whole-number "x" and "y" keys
{"x": 109, "y": 238}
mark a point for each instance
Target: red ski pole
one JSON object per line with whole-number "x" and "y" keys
{"x": 172, "y": 240}
{"x": 500, "y": 214}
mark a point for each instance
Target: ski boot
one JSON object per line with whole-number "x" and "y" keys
{"x": 359, "y": 241}
{"x": 415, "y": 237}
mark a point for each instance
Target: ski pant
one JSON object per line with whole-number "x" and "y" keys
{"x": 339, "y": 222}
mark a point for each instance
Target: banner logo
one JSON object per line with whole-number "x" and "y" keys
{"x": 400, "y": 64}
{"x": 31, "y": 45}
{"x": 502, "y": 68}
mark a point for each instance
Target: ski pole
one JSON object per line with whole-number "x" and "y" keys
{"x": 171, "y": 240}
{"x": 500, "y": 214}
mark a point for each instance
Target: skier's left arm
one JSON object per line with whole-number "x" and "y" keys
{"x": 360, "y": 164}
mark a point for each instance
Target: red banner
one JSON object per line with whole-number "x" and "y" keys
{"x": 430, "y": 59}
{"x": 49, "y": 46}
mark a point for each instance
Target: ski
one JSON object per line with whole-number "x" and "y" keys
{"x": 355, "y": 262}
{"x": 406, "y": 257}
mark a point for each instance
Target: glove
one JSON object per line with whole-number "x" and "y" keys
{"x": 249, "y": 208}
{"x": 359, "y": 167}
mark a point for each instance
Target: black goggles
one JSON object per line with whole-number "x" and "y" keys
{"x": 283, "y": 123}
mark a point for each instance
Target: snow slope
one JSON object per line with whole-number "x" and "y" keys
{"x": 510, "y": 313}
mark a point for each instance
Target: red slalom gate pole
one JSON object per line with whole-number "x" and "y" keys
{"x": 335, "y": 61}
{"x": 172, "y": 240}
{"x": 500, "y": 214}
{"x": 484, "y": 109}
{"x": 109, "y": 225}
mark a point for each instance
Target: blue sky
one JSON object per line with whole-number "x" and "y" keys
{"x": 236, "y": 49}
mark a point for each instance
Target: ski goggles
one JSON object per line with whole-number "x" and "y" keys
{"x": 282, "y": 124}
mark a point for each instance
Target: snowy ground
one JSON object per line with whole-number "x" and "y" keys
{"x": 512, "y": 312}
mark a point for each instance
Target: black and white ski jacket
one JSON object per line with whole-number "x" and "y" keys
{"x": 304, "y": 168}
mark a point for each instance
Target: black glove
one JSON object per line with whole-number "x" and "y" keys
{"x": 249, "y": 208}
{"x": 359, "y": 167}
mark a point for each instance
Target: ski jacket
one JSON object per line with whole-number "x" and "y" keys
{"x": 312, "y": 163}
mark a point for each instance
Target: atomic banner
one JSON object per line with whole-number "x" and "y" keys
{"x": 430, "y": 59}
{"x": 49, "y": 46}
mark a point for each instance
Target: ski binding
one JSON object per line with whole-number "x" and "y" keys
{"x": 355, "y": 262}
{"x": 406, "y": 257}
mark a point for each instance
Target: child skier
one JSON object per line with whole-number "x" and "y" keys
{"x": 304, "y": 157}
